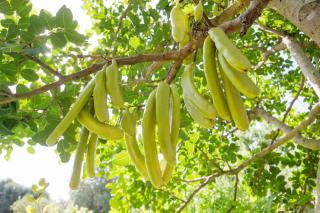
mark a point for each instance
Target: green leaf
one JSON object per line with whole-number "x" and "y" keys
{"x": 58, "y": 40}
{"x": 11, "y": 48}
{"x": 134, "y": 42}
{"x": 74, "y": 37}
{"x": 21, "y": 88}
{"x": 24, "y": 23}
{"x": 64, "y": 157}
{"x": 37, "y": 25}
{"x": 47, "y": 18}
{"x": 12, "y": 32}
{"x": 31, "y": 150}
{"x": 7, "y": 22}
{"x": 121, "y": 158}
{"x": 8, "y": 69}
{"x": 5, "y": 7}
{"x": 64, "y": 18}
{"x": 23, "y": 7}
{"x": 29, "y": 75}
{"x": 41, "y": 137}
{"x": 4, "y": 130}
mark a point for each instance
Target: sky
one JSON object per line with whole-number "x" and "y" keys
{"x": 26, "y": 169}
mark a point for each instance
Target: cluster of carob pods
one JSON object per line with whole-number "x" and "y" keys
{"x": 225, "y": 69}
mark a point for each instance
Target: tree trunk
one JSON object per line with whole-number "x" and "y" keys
{"x": 305, "y": 14}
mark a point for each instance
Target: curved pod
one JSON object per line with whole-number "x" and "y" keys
{"x": 232, "y": 54}
{"x": 213, "y": 80}
{"x": 240, "y": 80}
{"x": 190, "y": 91}
{"x": 114, "y": 85}
{"x": 104, "y": 131}
{"x": 100, "y": 97}
{"x": 236, "y": 106}
{"x": 149, "y": 142}
{"x": 78, "y": 159}
{"x": 163, "y": 121}
{"x": 72, "y": 114}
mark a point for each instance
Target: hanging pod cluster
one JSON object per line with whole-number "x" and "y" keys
{"x": 93, "y": 115}
{"x": 160, "y": 123}
{"x": 225, "y": 68}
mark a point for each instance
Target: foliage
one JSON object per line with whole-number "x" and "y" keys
{"x": 92, "y": 195}
{"x": 40, "y": 202}
{"x": 284, "y": 180}
{"x": 10, "y": 191}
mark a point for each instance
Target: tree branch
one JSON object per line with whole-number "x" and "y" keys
{"x": 234, "y": 205}
{"x": 45, "y": 66}
{"x": 305, "y": 64}
{"x": 266, "y": 54}
{"x": 246, "y": 19}
{"x": 307, "y": 143}
{"x": 174, "y": 55}
{"x": 289, "y": 135}
{"x": 290, "y": 107}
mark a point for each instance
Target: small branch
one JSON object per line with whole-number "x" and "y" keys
{"x": 294, "y": 99}
{"x": 152, "y": 68}
{"x": 45, "y": 66}
{"x": 201, "y": 186}
{"x": 276, "y": 48}
{"x": 234, "y": 205}
{"x": 173, "y": 71}
{"x": 270, "y": 30}
{"x": 290, "y": 107}
{"x": 172, "y": 55}
{"x": 291, "y": 134}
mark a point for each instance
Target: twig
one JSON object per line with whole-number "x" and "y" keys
{"x": 184, "y": 205}
{"x": 234, "y": 205}
{"x": 276, "y": 48}
{"x": 290, "y": 107}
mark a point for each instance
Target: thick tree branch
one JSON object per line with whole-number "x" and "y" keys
{"x": 246, "y": 19}
{"x": 304, "y": 62}
{"x": 45, "y": 66}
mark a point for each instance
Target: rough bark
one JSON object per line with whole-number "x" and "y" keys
{"x": 305, "y": 14}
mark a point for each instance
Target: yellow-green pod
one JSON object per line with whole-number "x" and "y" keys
{"x": 149, "y": 142}
{"x": 78, "y": 159}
